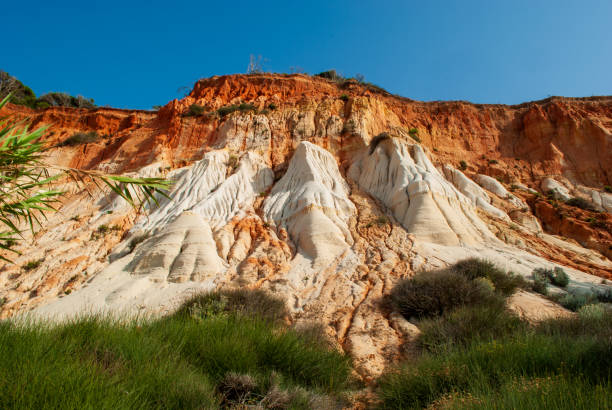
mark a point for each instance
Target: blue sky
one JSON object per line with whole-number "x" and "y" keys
{"x": 134, "y": 54}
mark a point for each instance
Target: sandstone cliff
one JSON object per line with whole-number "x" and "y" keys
{"x": 324, "y": 193}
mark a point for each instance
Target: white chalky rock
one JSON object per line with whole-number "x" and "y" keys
{"x": 473, "y": 192}
{"x": 311, "y": 202}
{"x": 204, "y": 190}
{"x": 601, "y": 200}
{"x": 494, "y": 186}
{"x": 183, "y": 250}
{"x": 559, "y": 191}
{"x": 421, "y": 199}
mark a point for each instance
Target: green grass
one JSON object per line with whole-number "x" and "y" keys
{"x": 486, "y": 373}
{"x": 185, "y": 360}
{"x": 481, "y": 355}
{"x": 465, "y": 325}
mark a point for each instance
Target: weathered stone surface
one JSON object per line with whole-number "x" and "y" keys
{"x": 296, "y": 195}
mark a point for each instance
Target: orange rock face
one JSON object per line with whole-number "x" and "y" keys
{"x": 266, "y": 222}
{"x": 556, "y": 136}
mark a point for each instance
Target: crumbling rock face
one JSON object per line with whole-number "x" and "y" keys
{"x": 402, "y": 177}
{"x": 311, "y": 203}
{"x": 472, "y": 191}
{"x": 183, "y": 250}
{"x": 300, "y": 195}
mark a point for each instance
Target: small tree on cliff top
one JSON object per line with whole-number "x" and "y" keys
{"x": 26, "y": 183}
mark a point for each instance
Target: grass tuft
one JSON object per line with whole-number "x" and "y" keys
{"x": 179, "y": 361}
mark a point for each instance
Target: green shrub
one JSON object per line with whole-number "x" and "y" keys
{"x": 331, "y": 75}
{"x": 559, "y": 277}
{"x": 505, "y": 283}
{"x": 493, "y": 161}
{"x": 540, "y": 281}
{"x": 467, "y": 324}
{"x": 20, "y": 93}
{"x": 556, "y": 276}
{"x": 580, "y": 203}
{"x": 435, "y": 293}
{"x": 252, "y": 303}
{"x": 463, "y": 165}
{"x": 605, "y": 296}
{"x": 243, "y": 107}
{"x": 608, "y": 188}
{"x": 80, "y": 138}
{"x": 55, "y": 99}
{"x": 194, "y": 110}
{"x": 272, "y": 106}
{"x": 31, "y": 265}
{"x": 574, "y": 301}
{"x": 344, "y": 97}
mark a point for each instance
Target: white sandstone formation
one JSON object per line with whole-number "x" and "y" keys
{"x": 526, "y": 220}
{"x": 601, "y": 200}
{"x": 559, "y": 191}
{"x": 402, "y": 177}
{"x": 473, "y": 192}
{"x": 181, "y": 251}
{"x": 205, "y": 190}
{"x": 494, "y": 186}
{"x": 311, "y": 241}
{"x": 311, "y": 202}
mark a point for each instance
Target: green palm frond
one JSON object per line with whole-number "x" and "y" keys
{"x": 26, "y": 191}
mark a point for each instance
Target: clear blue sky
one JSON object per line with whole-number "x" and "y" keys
{"x": 136, "y": 54}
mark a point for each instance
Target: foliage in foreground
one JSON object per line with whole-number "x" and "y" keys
{"x": 483, "y": 356}
{"x": 26, "y": 183}
{"x": 469, "y": 282}
{"x": 561, "y": 363}
{"x": 221, "y": 358}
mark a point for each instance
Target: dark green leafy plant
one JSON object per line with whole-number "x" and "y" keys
{"x": 505, "y": 283}
{"x": 580, "y": 203}
{"x": 467, "y": 324}
{"x": 556, "y": 276}
{"x": 540, "y": 281}
{"x": 430, "y": 294}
